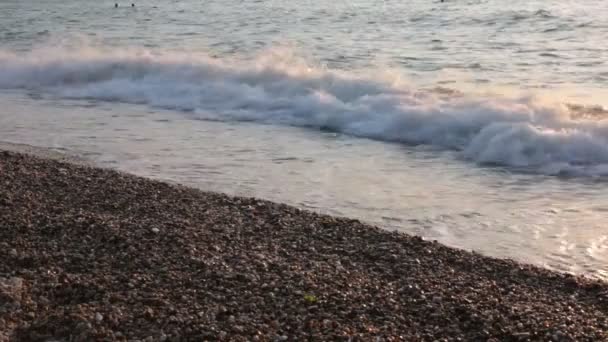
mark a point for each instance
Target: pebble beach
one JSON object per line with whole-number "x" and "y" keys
{"x": 92, "y": 254}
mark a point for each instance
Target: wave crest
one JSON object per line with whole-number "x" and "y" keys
{"x": 280, "y": 88}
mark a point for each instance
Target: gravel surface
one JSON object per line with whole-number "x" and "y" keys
{"x": 90, "y": 254}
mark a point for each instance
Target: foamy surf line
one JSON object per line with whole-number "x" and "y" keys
{"x": 279, "y": 88}
{"x": 44, "y": 152}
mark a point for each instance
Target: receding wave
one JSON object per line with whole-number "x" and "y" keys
{"x": 278, "y": 88}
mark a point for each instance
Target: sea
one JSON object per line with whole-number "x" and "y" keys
{"x": 481, "y": 124}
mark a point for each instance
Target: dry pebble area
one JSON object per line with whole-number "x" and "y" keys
{"x": 91, "y": 254}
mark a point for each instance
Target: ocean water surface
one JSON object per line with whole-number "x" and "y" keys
{"x": 480, "y": 125}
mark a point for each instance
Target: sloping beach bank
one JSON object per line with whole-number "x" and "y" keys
{"x": 92, "y": 254}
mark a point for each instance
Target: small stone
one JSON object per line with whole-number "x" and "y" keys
{"x": 98, "y": 317}
{"x": 155, "y": 230}
{"x": 11, "y": 290}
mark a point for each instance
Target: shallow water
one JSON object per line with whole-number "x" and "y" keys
{"x": 454, "y": 121}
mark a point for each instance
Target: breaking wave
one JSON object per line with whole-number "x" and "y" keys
{"x": 279, "y": 88}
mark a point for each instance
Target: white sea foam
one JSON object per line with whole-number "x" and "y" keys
{"x": 278, "y": 88}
